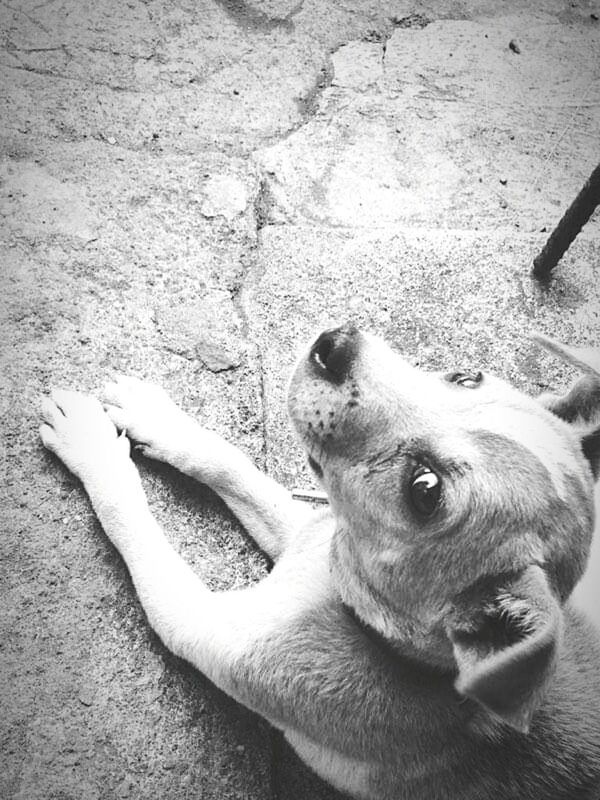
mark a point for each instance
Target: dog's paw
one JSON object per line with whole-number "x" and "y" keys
{"x": 80, "y": 433}
{"x": 146, "y": 413}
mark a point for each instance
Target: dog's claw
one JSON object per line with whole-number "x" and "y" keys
{"x": 116, "y": 416}
{"x": 145, "y": 411}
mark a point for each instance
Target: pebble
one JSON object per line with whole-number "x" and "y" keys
{"x": 71, "y": 759}
{"x": 224, "y": 196}
{"x": 514, "y": 46}
{"x": 86, "y": 697}
{"x": 126, "y": 786}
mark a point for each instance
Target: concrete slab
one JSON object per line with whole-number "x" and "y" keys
{"x": 188, "y": 191}
{"x": 442, "y": 124}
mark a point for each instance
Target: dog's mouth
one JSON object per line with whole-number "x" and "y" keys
{"x": 315, "y": 466}
{"x": 320, "y": 393}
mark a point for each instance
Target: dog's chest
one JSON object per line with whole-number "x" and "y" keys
{"x": 346, "y": 774}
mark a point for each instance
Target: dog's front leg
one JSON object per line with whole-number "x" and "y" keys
{"x": 206, "y": 628}
{"x": 164, "y": 432}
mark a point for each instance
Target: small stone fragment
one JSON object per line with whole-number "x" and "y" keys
{"x": 126, "y": 787}
{"x": 503, "y": 181}
{"x": 86, "y": 697}
{"x": 418, "y": 21}
{"x": 373, "y": 36}
{"x": 514, "y": 46}
{"x": 71, "y": 758}
{"x": 111, "y": 140}
{"x": 357, "y": 65}
{"x": 224, "y": 196}
{"x": 208, "y": 330}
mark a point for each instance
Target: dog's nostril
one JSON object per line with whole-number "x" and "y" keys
{"x": 334, "y": 351}
{"x": 322, "y": 349}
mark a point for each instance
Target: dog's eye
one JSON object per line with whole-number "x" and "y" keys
{"x": 470, "y": 380}
{"x": 425, "y": 489}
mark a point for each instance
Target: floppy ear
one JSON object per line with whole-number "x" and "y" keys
{"x": 590, "y": 444}
{"x": 581, "y": 405}
{"x": 586, "y": 358}
{"x": 506, "y": 653}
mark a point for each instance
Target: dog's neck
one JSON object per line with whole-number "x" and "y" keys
{"x": 421, "y": 639}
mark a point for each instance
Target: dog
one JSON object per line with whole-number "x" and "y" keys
{"x": 415, "y": 638}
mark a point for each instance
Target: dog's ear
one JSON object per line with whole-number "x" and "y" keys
{"x": 506, "y": 647}
{"x": 586, "y": 358}
{"x": 590, "y": 444}
{"x": 581, "y": 405}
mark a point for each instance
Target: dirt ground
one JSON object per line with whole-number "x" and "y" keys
{"x": 188, "y": 192}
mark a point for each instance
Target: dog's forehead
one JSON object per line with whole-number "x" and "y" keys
{"x": 458, "y": 418}
{"x": 535, "y": 434}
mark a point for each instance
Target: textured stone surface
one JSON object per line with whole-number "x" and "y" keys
{"x": 445, "y": 126}
{"x": 187, "y": 192}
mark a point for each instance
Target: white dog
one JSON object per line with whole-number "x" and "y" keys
{"x": 415, "y": 639}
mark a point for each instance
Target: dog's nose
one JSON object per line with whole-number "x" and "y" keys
{"x": 334, "y": 351}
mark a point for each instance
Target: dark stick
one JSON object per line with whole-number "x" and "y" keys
{"x": 574, "y": 218}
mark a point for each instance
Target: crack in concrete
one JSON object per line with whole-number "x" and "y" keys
{"x": 48, "y": 73}
{"x": 59, "y": 48}
{"x": 250, "y": 263}
{"x": 309, "y": 104}
{"x": 43, "y": 5}
{"x": 245, "y": 16}
{"x": 263, "y": 409}
{"x": 119, "y": 53}
{"x": 262, "y": 205}
{"x": 37, "y": 71}
{"x": 24, "y": 14}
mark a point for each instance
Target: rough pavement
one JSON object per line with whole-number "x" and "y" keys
{"x": 189, "y": 190}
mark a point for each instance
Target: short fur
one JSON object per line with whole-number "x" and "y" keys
{"x": 424, "y": 656}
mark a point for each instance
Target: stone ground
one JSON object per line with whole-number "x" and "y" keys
{"x": 188, "y": 191}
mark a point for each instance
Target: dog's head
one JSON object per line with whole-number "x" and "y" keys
{"x": 464, "y": 508}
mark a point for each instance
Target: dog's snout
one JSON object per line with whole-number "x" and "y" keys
{"x": 334, "y": 351}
